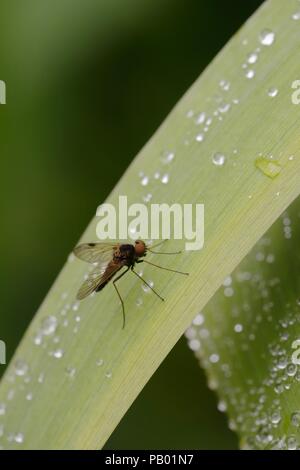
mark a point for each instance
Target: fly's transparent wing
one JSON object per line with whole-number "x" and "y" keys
{"x": 95, "y": 252}
{"x": 99, "y": 276}
{"x": 92, "y": 282}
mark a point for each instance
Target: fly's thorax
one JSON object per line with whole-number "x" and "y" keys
{"x": 125, "y": 253}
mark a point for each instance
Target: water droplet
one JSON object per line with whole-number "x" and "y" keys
{"x": 282, "y": 362}
{"x": 232, "y": 425}
{"x": 228, "y": 292}
{"x": 200, "y": 118}
{"x": 168, "y": 157}
{"x": 49, "y": 325}
{"x": 252, "y": 58}
{"x": 295, "y": 419}
{"x": 224, "y": 85}
{"x": 291, "y": 370}
{"x": 291, "y": 442}
{"x": 139, "y": 301}
{"x": 190, "y": 333}
{"x": 190, "y": 113}
{"x": 276, "y": 417}
{"x": 75, "y": 306}
{"x": 70, "y": 371}
{"x": 19, "y": 438}
{"x": 222, "y": 406}
{"x": 2, "y": 409}
{"x": 165, "y": 178}
{"x": 267, "y": 37}
{"x": 199, "y": 319}
{"x": 147, "y": 288}
{"x": 108, "y": 375}
{"x": 21, "y": 367}
{"x": 224, "y": 107}
{"x": 250, "y": 74}
{"x": 296, "y": 16}
{"x": 194, "y": 344}
{"x": 99, "y": 362}
{"x": 41, "y": 378}
{"x": 200, "y": 137}
{"x": 144, "y": 180}
{"x": 58, "y": 353}
{"x": 38, "y": 339}
{"x": 270, "y": 168}
{"x": 218, "y": 159}
{"x": 147, "y": 197}
{"x": 238, "y": 328}
{"x": 214, "y": 358}
{"x": 227, "y": 281}
{"x": 272, "y": 92}
{"x": 132, "y": 231}
{"x": 29, "y": 396}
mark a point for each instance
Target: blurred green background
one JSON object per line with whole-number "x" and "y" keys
{"x": 88, "y": 82}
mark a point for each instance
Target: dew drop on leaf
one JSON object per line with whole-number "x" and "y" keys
{"x": 218, "y": 159}
{"x": 267, "y": 37}
{"x": 272, "y": 92}
{"x": 21, "y": 367}
{"x": 270, "y": 168}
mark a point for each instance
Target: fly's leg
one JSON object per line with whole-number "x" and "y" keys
{"x": 119, "y": 295}
{"x": 166, "y": 269}
{"x": 145, "y": 282}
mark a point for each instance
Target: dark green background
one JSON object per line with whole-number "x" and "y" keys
{"x": 88, "y": 82}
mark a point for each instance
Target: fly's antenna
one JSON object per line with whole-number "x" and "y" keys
{"x": 157, "y": 244}
{"x": 162, "y": 253}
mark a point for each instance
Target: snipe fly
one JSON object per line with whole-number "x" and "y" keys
{"x": 109, "y": 259}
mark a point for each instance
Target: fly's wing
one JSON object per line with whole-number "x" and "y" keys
{"x": 95, "y": 252}
{"x": 97, "y": 278}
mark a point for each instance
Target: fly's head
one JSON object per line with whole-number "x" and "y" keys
{"x": 140, "y": 248}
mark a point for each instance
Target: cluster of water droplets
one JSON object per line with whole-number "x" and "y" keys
{"x": 248, "y": 340}
{"x": 24, "y": 381}
{"x": 161, "y": 174}
{"x": 265, "y": 39}
{"x": 219, "y": 105}
{"x": 224, "y": 99}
